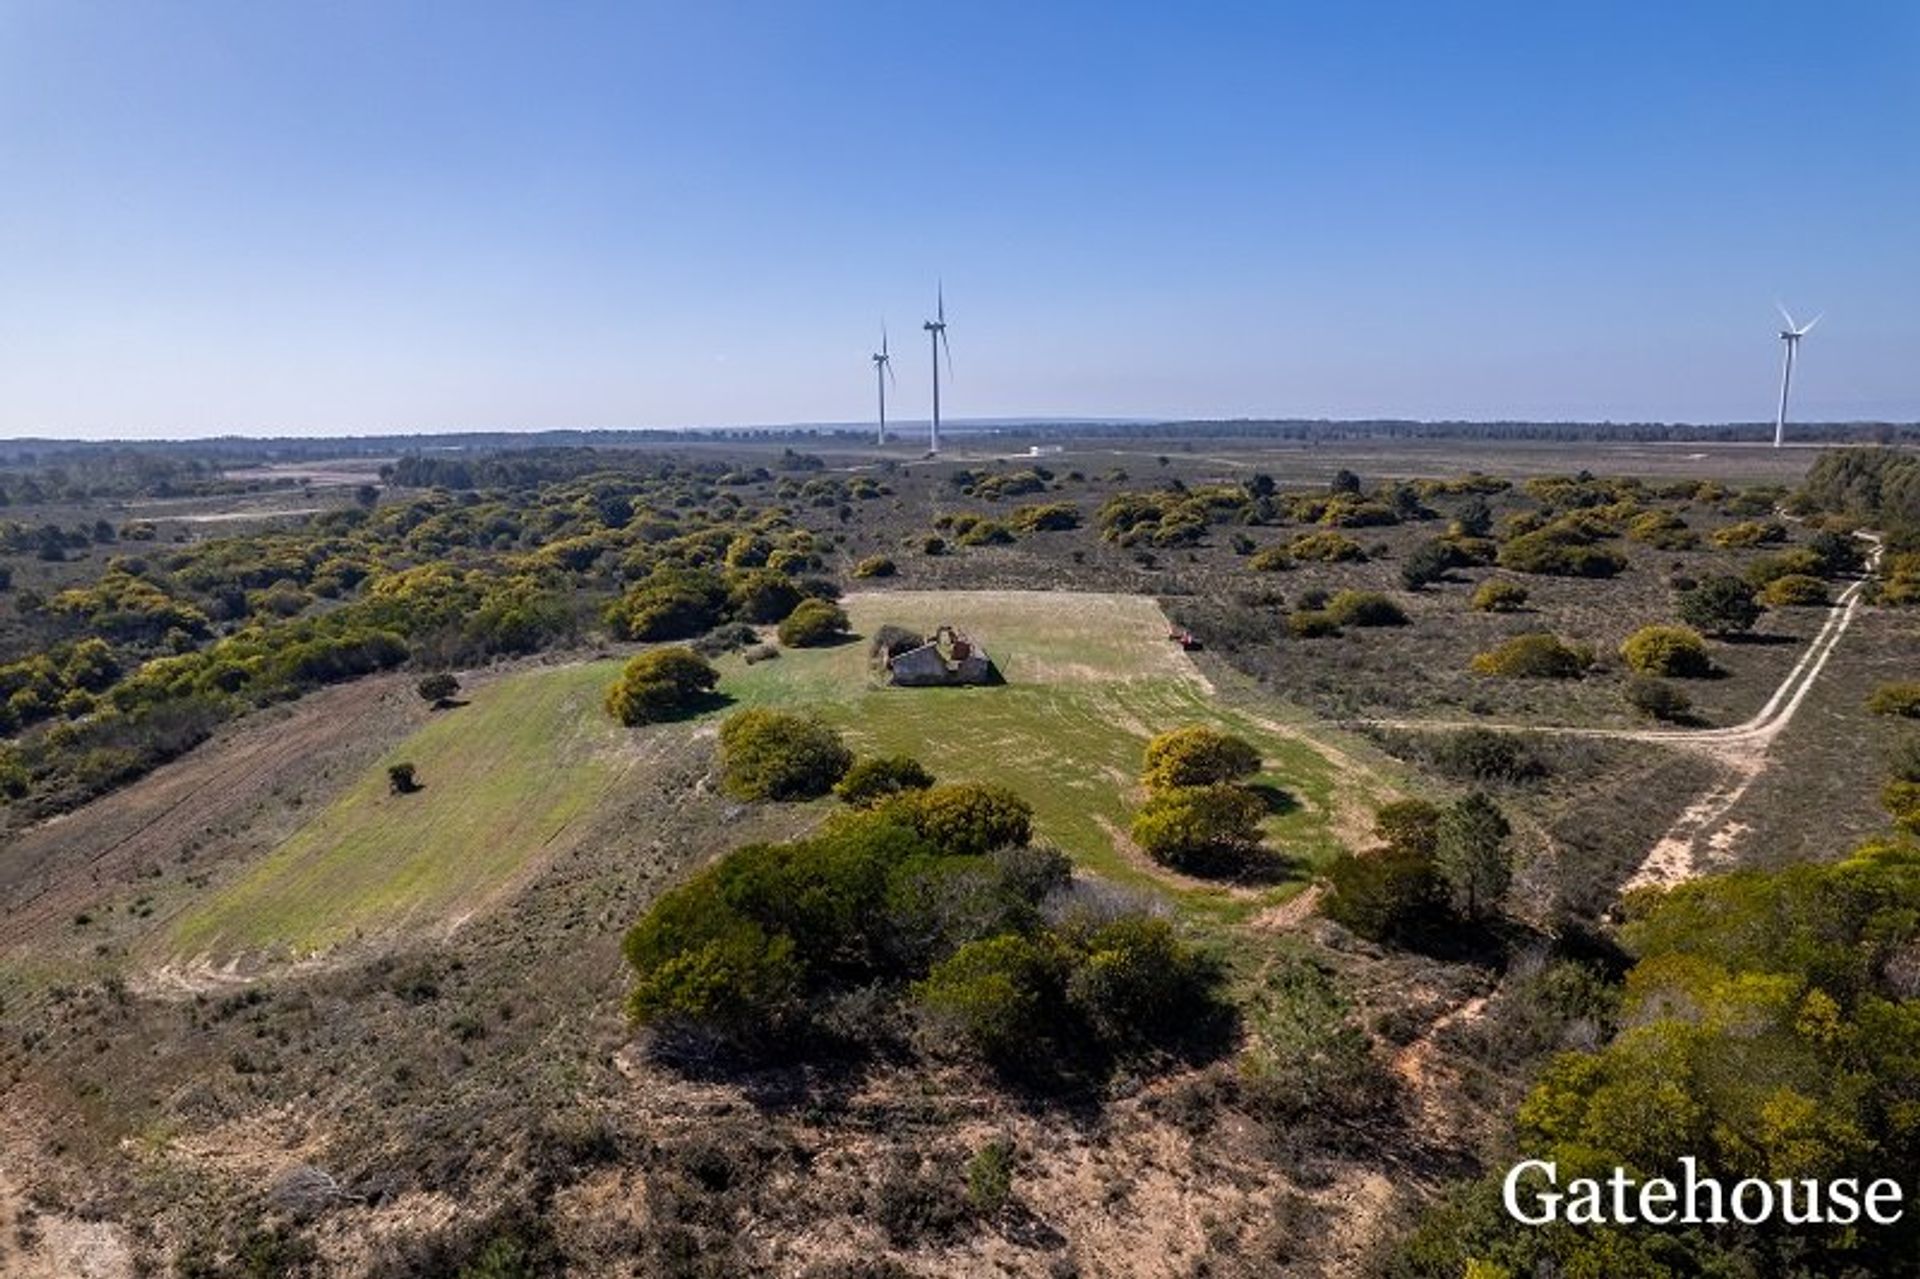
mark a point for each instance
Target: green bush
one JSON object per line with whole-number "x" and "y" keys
{"x": 767, "y": 754}
{"x": 1274, "y": 559}
{"x": 1657, "y": 698}
{"x": 1365, "y": 608}
{"x": 1384, "y": 894}
{"x": 1481, "y": 754}
{"x": 1327, "y": 547}
{"x": 875, "y": 566}
{"x": 1676, "y": 651}
{"x": 998, "y": 996}
{"x": 438, "y": 688}
{"x": 1795, "y": 561}
{"x": 1497, "y": 595}
{"x": 813, "y": 622}
{"x": 1198, "y": 756}
{"x": 1534, "y": 655}
{"x": 1720, "y": 605}
{"x": 874, "y": 778}
{"x": 659, "y": 685}
{"x": 1051, "y": 516}
{"x": 1901, "y": 698}
{"x": 1749, "y": 533}
{"x": 1201, "y": 829}
{"x": 1796, "y": 590}
{"x": 968, "y": 818}
{"x": 1311, "y": 623}
{"x": 1551, "y": 552}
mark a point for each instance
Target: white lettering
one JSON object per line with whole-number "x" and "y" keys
{"x": 1888, "y": 1191}
{"x": 1509, "y": 1192}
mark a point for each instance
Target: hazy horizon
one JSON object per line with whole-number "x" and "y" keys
{"x": 368, "y": 219}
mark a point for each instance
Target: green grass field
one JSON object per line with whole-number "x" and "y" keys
{"x": 503, "y": 778}
{"x": 1089, "y": 678}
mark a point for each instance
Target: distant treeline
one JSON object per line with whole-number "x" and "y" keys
{"x": 240, "y": 451}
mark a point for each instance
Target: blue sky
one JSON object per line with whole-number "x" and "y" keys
{"x": 355, "y": 217}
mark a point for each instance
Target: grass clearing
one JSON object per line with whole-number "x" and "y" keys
{"x": 509, "y": 776}
{"x": 1089, "y": 678}
{"x": 503, "y": 778}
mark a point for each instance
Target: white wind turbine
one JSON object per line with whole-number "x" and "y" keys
{"x": 1791, "y": 335}
{"x": 883, "y": 374}
{"x": 937, "y": 338}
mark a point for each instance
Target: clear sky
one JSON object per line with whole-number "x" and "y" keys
{"x": 265, "y": 216}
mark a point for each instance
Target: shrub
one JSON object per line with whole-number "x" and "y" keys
{"x": 1534, "y": 655}
{"x": 1676, "y": 651}
{"x": 1274, "y": 559}
{"x": 1328, "y": 547}
{"x": 1766, "y": 568}
{"x": 401, "y": 779}
{"x": 812, "y": 623}
{"x": 879, "y": 777}
{"x": 762, "y": 595}
{"x": 1048, "y": 517}
{"x": 1796, "y": 590}
{"x": 1720, "y": 605}
{"x": 875, "y": 566}
{"x": 1901, "y": 699}
{"x": 1310, "y": 623}
{"x": 698, "y": 961}
{"x": 997, "y": 996}
{"x": 1901, "y": 799}
{"x": 990, "y": 1177}
{"x": 987, "y": 533}
{"x": 1429, "y": 562}
{"x": 1481, "y": 754}
{"x": 1550, "y": 551}
{"x": 1662, "y": 530}
{"x": 438, "y": 688}
{"x": 969, "y": 818}
{"x": 1497, "y": 595}
{"x": 1198, "y": 756}
{"x": 659, "y": 685}
{"x": 1749, "y": 533}
{"x": 1657, "y": 698}
{"x": 768, "y": 754}
{"x": 1384, "y": 895}
{"x": 1203, "y": 829}
{"x": 933, "y": 544}
{"x": 1133, "y": 982}
{"x": 1408, "y": 825}
{"x": 1365, "y": 608}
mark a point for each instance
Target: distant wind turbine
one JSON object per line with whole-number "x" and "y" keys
{"x": 1791, "y": 335}
{"x": 883, "y": 374}
{"x": 937, "y": 338}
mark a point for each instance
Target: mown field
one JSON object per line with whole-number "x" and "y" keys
{"x": 516, "y": 772}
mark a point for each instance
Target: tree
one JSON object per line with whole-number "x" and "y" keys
{"x": 1720, "y": 605}
{"x": 767, "y": 754}
{"x": 1470, "y": 855}
{"x": 1198, "y": 756}
{"x": 660, "y": 684}
{"x": 438, "y": 688}
{"x": 1386, "y": 894}
{"x": 1667, "y": 650}
{"x": 880, "y": 777}
{"x": 813, "y": 622}
{"x": 401, "y": 779}
{"x": 1203, "y": 829}
{"x": 1408, "y": 826}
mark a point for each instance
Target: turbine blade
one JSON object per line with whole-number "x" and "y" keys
{"x": 883, "y": 337}
{"x": 1784, "y": 314}
{"x": 949, "y": 353}
{"x": 940, "y": 301}
{"x": 1815, "y": 320}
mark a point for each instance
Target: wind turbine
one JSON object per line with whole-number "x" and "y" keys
{"x": 883, "y": 374}
{"x": 1791, "y": 335}
{"x": 937, "y": 338}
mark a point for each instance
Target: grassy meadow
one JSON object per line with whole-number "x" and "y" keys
{"x": 522, "y": 766}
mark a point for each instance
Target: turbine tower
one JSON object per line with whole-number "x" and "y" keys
{"x": 937, "y": 338}
{"x": 1790, "y": 335}
{"x": 883, "y": 374}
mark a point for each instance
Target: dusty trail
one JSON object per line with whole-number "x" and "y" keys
{"x": 1741, "y": 749}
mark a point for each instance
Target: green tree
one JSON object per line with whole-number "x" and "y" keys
{"x": 1666, "y": 650}
{"x": 1202, "y": 829}
{"x": 1471, "y": 857}
{"x": 1198, "y": 756}
{"x": 1720, "y": 605}
{"x": 660, "y": 684}
{"x": 967, "y": 819}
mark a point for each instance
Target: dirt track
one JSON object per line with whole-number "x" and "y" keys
{"x": 1741, "y": 748}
